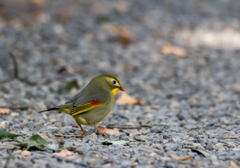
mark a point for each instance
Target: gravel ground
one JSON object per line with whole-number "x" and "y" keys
{"x": 196, "y": 92}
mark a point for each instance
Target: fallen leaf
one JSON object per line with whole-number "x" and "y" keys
{"x": 233, "y": 165}
{"x": 126, "y": 99}
{"x": 116, "y": 142}
{"x": 125, "y": 36}
{"x": 44, "y": 136}
{"x": 204, "y": 153}
{"x": 7, "y": 134}
{"x": 17, "y": 143}
{"x": 106, "y": 130}
{"x": 37, "y": 140}
{"x": 180, "y": 52}
{"x": 58, "y": 138}
{"x": 4, "y": 110}
{"x": 26, "y": 153}
{"x": 182, "y": 158}
{"x": 64, "y": 152}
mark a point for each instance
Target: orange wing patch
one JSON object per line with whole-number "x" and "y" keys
{"x": 95, "y": 103}
{"x": 85, "y": 107}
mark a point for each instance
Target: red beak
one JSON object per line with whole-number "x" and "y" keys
{"x": 122, "y": 89}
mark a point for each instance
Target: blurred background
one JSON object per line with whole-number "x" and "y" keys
{"x": 179, "y": 58}
{"x": 170, "y": 48}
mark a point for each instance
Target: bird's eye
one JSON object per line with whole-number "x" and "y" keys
{"x": 114, "y": 82}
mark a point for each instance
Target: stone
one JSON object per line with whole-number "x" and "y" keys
{"x": 139, "y": 138}
{"x": 218, "y": 145}
{"x": 26, "y": 153}
{"x": 171, "y": 146}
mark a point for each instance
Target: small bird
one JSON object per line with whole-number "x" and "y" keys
{"x": 93, "y": 103}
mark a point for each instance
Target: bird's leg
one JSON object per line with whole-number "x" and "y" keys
{"x": 84, "y": 133}
{"x": 101, "y": 132}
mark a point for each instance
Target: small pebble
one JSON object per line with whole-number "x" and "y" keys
{"x": 26, "y": 153}
{"x": 219, "y": 145}
{"x": 69, "y": 158}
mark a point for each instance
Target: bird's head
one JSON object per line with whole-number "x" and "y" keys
{"x": 113, "y": 84}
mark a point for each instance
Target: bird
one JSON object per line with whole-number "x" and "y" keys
{"x": 92, "y": 104}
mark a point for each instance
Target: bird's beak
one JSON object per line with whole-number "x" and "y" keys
{"x": 122, "y": 89}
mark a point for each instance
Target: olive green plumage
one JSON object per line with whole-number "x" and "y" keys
{"x": 94, "y": 102}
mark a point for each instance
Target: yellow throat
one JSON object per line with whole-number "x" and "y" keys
{"x": 114, "y": 92}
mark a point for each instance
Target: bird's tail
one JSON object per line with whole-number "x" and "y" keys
{"x": 65, "y": 108}
{"x": 49, "y": 109}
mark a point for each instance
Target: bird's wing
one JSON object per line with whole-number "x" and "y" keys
{"x": 86, "y": 107}
{"x": 88, "y": 99}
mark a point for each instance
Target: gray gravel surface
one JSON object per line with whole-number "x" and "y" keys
{"x": 198, "y": 94}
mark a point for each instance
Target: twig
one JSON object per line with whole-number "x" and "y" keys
{"x": 120, "y": 115}
{"x": 15, "y": 66}
{"x": 231, "y": 137}
{"x": 16, "y": 74}
{"x": 8, "y": 159}
{"x": 25, "y": 79}
{"x": 61, "y": 135}
{"x": 139, "y": 127}
{"x": 122, "y": 127}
